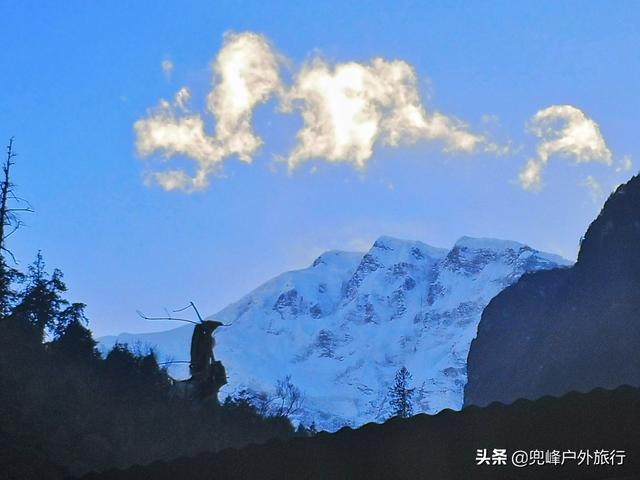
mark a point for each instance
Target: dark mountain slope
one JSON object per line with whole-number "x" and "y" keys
{"x": 568, "y": 329}
{"x": 439, "y": 447}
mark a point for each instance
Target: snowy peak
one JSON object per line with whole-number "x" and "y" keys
{"x": 391, "y": 263}
{"x": 470, "y": 256}
{"x": 337, "y": 260}
{"x": 313, "y": 291}
{"x": 506, "y": 247}
{"x": 394, "y": 248}
{"x": 343, "y": 326}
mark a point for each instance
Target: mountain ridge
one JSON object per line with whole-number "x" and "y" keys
{"x": 343, "y": 326}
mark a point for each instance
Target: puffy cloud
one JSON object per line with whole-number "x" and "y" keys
{"x": 246, "y": 73}
{"x": 347, "y": 110}
{"x": 171, "y": 129}
{"x": 349, "y": 107}
{"x": 175, "y": 180}
{"x": 531, "y": 174}
{"x": 565, "y": 131}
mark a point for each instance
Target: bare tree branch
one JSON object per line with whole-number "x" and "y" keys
{"x": 196, "y": 310}
{"x": 168, "y": 318}
{"x": 8, "y": 213}
{"x": 13, "y": 257}
{"x": 191, "y": 305}
{"x": 183, "y": 308}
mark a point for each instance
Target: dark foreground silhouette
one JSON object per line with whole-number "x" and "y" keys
{"x": 567, "y": 329}
{"x": 66, "y": 411}
{"x": 437, "y": 447}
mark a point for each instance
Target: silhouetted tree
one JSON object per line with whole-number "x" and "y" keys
{"x": 10, "y": 208}
{"x": 259, "y": 401}
{"x": 288, "y": 398}
{"x": 401, "y": 395}
{"x": 8, "y": 276}
{"x": 41, "y": 304}
{"x": 73, "y": 339}
{"x": 422, "y": 397}
{"x": 153, "y": 376}
{"x": 120, "y": 362}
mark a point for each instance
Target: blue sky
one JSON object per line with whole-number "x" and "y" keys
{"x": 77, "y": 76}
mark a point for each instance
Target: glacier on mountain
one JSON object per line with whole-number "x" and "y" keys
{"x": 344, "y": 326}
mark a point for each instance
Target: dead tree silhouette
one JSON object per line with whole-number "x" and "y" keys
{"x": 208, "y": 375}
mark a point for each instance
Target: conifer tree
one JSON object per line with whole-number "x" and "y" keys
{"x": 41, "y": 304}
{"x": 73, "y": 339}
{"x": 401, "y": 396}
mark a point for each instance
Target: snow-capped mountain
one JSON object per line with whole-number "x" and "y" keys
{"x": 344, "y": 326}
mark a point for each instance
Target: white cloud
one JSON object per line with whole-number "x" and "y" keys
{"x": 246, "y": 73}
{"x": 167, "y": 67}
{"x": 595, "y": 188}
{"x": 182, "y": 99}
{"x": 625, "y": 164}
{"x": 171, "y": 129}
{"x": 565, "y": 131}
{"x": 349, "y": 107}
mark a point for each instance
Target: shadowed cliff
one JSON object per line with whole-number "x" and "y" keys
{"x": 567, "y": 329}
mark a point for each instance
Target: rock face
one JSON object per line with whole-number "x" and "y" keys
{"x": 568, "y": 329}
{"x": 343, "y": 327}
